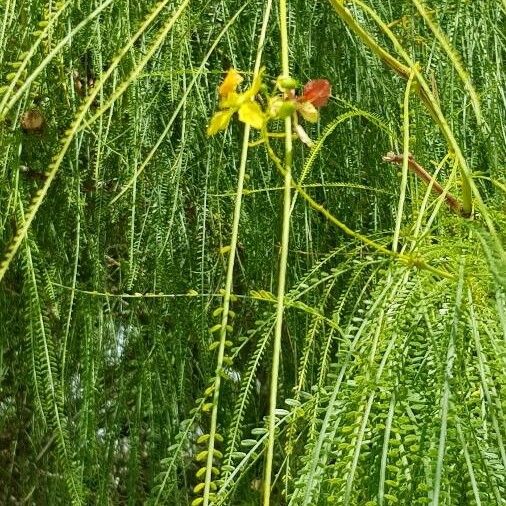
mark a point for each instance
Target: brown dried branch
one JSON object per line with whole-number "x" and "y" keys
{"x": 451, "y": 201}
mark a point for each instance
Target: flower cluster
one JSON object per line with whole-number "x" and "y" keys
{"x": 315, "y": 94}
{"x": 249, "y": 110}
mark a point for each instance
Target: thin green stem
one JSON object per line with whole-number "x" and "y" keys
{"x": 384, "y": 451}
{"x": 287, "y": 193}
{"x": 405, "y": 160}
{"x": 225, "y": 314}
{"x": 444, "y": 409}
{"x": 230, "y": 272}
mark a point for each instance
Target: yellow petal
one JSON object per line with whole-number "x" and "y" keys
{"x": 219, "y": 122}
{"x": 251, "y": 114}
{"x": 255, "y": 86}
{"x": 308, "y": 111}
{"x": 233, "y": 99}
{"x": 232, "y": 80}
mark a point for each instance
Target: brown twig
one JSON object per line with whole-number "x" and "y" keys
{"x": 451, "y": 201}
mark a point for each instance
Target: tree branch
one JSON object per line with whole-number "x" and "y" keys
{"x": 451, "y": 201}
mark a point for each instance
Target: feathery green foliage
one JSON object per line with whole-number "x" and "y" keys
{"x": 242, "y": 319}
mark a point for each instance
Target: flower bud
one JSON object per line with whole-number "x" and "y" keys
{"x": 280, "y": 109}
{"x": 286, "y": 83}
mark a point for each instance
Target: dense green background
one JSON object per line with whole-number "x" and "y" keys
{"x": 399, "y": 375}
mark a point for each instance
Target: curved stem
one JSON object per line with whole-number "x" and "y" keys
{"x": 452, "y": 202}
{"x": 408, "y": 260}
{"x": 405, "y": 158}
{"x": 423, "y": 90}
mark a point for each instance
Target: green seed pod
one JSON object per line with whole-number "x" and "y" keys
{"x": 287, "y": 109}
{"x": 280, "y": 109}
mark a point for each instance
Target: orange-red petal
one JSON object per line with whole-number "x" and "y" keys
{"x": 317, "y": 92}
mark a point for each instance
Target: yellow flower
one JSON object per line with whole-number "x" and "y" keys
{"x": 249, "y": 111}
